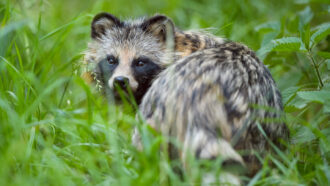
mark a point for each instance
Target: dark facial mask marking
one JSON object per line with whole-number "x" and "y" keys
{"x": 143, "y": 69}
{"x": 144, "y": 74}
{"x": 105, "y": 71}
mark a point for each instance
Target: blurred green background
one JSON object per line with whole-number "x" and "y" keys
{"x": 56, "y": 130}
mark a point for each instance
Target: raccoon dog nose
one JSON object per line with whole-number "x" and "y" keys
{"x": 121, "y": 81}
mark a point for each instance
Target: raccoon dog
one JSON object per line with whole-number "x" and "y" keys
{"x": 213, "y": 96}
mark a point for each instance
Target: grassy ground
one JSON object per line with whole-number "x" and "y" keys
{"x": 55, "y": 130}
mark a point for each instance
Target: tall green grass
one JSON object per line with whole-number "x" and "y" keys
{"x": 56, "y": 130}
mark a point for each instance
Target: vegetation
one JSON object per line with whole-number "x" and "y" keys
{"x": 56, "y": 130}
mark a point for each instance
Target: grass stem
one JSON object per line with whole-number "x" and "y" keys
{"x": 316, "y": 67}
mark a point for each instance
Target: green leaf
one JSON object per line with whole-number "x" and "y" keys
{"x": 303, "y": 135}
{"x": 288, "y": 44}
{"x": 63, "y": 27}
{"x": 11, "y": 27}
{"x": 326, "y": 108}
{"x": 322, "y": 32}
{"x": 269, "y": 37}
{"x": 319, "y": 96}
{"x": 325, "y": 55}
{"x": 288, "y": 94}
{"x": 269, "y": 26}
{"x": 328, "y": 63}
{"x": 305, "y": 35}
{"x": 295, "y": 103}
{"x": 305, "y": 17}
{"x": 285, "y": 44}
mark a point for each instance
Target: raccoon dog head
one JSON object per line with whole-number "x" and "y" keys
{"x": 127, "y": 55}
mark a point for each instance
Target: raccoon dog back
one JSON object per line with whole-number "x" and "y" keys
{"x": 211, "y": 101}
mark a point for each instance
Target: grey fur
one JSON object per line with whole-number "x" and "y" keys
{"x": 211, "y": 95}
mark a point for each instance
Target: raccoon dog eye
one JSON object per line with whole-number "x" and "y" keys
{"x": 112, "y": 60}
{"x": 140, "y": 63}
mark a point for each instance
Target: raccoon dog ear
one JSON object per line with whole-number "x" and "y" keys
{"x": 161, "y": 27}
{"x": 102, "y": 22}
